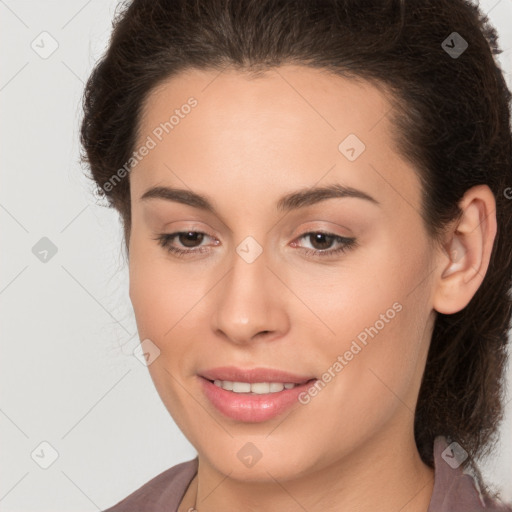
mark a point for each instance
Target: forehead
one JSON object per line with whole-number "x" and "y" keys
{"x": 291, "y": 125}
{"x": 289, "y": 95}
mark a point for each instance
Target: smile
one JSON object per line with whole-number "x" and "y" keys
{"x": 258, "y": 388}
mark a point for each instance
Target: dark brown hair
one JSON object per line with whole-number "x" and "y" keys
{"x": 452, "y": 122}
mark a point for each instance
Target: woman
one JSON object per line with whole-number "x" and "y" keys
{"x": 316, "y": 207}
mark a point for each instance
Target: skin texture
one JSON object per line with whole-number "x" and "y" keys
{"x": 247, "y": 143}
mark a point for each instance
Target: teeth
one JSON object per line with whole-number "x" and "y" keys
{"x": 276, "y": 386}
{"x": 241, "y": 387}
{"x": 226, "y": 385}
{"x": 258, "y": 388}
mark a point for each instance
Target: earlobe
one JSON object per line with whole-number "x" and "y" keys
{"x": 465, "y": 256}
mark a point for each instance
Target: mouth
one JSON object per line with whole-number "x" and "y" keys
{"x": 261, "y": 376}
{"x": 256, "y": 388}
{"x": 252, "y": 395}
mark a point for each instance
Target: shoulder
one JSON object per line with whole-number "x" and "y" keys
{"x": 456, "y": 489}
{"x": 162, "y": 493}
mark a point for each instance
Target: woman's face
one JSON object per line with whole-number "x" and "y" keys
{"x": 251, "y": 294}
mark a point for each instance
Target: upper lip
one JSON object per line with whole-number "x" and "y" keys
{"x": 251, "y": 375}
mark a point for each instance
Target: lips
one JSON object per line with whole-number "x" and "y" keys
{"x": 253, "y": 375}
{"x": 248, "y": 406}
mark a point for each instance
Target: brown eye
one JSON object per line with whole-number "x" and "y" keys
{"x": 321, "y": 243}
{"x": 189, "y": 238}
{"x": 188, "y": 242}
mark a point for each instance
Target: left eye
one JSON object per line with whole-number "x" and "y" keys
{"x": 322, "y": 238}
{"x": 190, "y": 238}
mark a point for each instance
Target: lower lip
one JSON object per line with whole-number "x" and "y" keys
{"x": 251, "y": 407}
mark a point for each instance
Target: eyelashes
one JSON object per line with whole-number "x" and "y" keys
{"x": 165, "y": 240}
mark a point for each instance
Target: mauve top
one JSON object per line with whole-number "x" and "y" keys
{"x": 454, "y": 490}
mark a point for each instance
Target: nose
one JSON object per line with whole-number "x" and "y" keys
{"x": 249, "y": 303}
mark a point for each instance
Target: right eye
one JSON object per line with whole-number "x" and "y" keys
{"x": 186, "y": 238}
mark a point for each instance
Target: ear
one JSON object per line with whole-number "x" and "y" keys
{"x": 464, "y": 258}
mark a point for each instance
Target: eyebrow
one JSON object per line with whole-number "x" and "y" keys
{"x": 295, "y": 200}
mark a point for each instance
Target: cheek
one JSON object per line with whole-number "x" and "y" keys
{"x": 163, "y": 303}
{"x": 374, "y": 314}
{"x": 161, "y": 293}
{"x": 369, "y": 289}
{"x": 372, "y": 365}
{"x": 169, "y": 301}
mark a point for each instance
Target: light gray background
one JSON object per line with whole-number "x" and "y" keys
{"x": 68, "y": 376}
